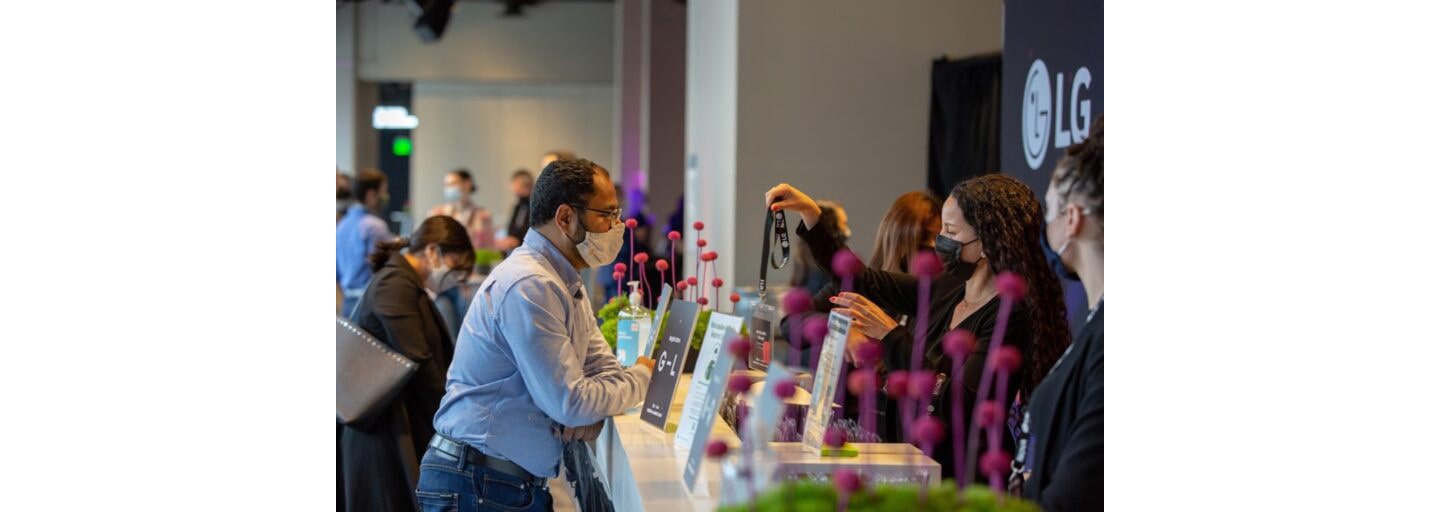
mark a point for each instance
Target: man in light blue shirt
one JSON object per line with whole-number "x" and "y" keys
{"x": 531, "y": 369}
{"x": 356, "y": 235}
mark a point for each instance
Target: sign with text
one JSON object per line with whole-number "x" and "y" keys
{"x": 827, "y": 377}
{"x": 660, "y": 308}
{"x": 669, "y": 358}
{"x": 762, "y": 331}
{"x": 712, "y": 390}
{"x": 708, "y": 368}
{"x": 1052, "y": 83}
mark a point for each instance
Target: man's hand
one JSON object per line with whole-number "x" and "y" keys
{"x": 585, "y": 433}
{"x": 646, "y": 362}
{"x": 508, "y": 243}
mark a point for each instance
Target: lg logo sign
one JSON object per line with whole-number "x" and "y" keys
{"x": 1036, "y": 113}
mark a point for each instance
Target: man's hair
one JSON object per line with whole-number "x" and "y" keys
{"x": 569, "y": 181}
{"x": 522, "y": 173}
{"x": 367, "y": 180}
{"x": 464, "y": 175}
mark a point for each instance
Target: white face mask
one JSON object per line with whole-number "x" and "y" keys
{"x": 452, "y": 194}
{"x": 601, "y": 248}
{"x": 442, "y": 278}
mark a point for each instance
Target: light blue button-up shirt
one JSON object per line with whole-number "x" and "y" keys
{"x": 530, "y": 356}
{"x": 355, "y": 238}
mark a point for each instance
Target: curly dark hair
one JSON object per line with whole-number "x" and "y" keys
{"x": 1007, "y": 218}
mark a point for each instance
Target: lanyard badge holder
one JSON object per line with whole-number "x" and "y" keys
{"x": 764, "y": 316}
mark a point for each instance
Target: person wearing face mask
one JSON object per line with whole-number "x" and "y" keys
{"x": 989, "y": 224}
{"x": 459, "y": 187}
{"x": 357, "y": 234}
{"x": 910, "y": 226}
{"x": 531, "y": 369}
{"x": 1065, "y": 425}
{"x": 397, "y": 308}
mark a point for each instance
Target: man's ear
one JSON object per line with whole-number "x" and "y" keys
{"x": 564, "y": 217}
{"x": 1074, "y": 220}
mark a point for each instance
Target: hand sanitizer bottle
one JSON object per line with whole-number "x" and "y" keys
{"x": 632, "y": 332}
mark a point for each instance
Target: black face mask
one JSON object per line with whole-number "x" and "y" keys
{"x": 949, "y": 251}
{"x": 1054, "y": 258}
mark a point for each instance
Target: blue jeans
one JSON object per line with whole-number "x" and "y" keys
{"x": 447, "y": 485}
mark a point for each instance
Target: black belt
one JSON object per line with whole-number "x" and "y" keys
{"x": 462, "y": 451}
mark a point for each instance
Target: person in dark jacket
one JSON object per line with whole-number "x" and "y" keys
{"x": 379, "y": 457}
{"x": 521, "y": 183}
{"x": 1066, "y": 419}
{"x": 989, "y": 225}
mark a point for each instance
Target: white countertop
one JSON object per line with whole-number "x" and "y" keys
{"x": 642, "y": 468}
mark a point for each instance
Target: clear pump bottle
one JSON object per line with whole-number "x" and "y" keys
{"x": 632, "y": 332}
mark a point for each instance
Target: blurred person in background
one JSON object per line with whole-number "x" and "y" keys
{"x": 459, "y": 188}
{"x": 358, "y": 233}
{"x": 521, "y": 182}
{"x": 343, "y": 196}
{"x": 553, "y": 155}
{"x": 908, "y": 228}
{"x": 810, "y": 274}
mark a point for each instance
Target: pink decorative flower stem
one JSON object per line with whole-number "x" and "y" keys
{"x": 630, "y": 229}
{"x": 640, "y": 260}
{"x": 619, "y": 276}
{"x": 1012, "y": 289}
{"x": 995, "y": 478}
{"x": 699, "y": 244}
{"x": 717, "y": 283}
{"x": 674, "y": 236}
{"x": 958, "y": 344}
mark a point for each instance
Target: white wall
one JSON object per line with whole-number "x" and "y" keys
{"x": 710, "y": 129}
{"x": 494, "y": 129}
{"x": 834, "y": 97}
{"x": 552, "y": 42}
{"x": 494, "y": 93}
{"x": 345, "y": 87}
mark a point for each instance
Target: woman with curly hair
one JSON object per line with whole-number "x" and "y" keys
{"x": 989, "y": 225}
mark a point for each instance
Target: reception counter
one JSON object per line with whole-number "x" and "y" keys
{"x": 641, "y": 466}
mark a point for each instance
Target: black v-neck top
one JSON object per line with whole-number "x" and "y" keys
{"x": 898, "y": 292}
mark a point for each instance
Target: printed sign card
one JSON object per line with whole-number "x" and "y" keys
{"x": 827, "y": 376}
{"x": 669, "y": 358}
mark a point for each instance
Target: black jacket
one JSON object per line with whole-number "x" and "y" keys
{"x": 519, "y": 223}
{"x": 397, "y": 311}
{"x": 898, "y": 292}
{"x": 1067, "y": 427}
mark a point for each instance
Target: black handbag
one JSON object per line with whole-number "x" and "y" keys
{"x": 368, "y": 374}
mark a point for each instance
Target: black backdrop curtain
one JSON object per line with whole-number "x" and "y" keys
{"x": 964, "y": 120}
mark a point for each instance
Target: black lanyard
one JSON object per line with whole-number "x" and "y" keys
{"x": 775, "y": 219}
